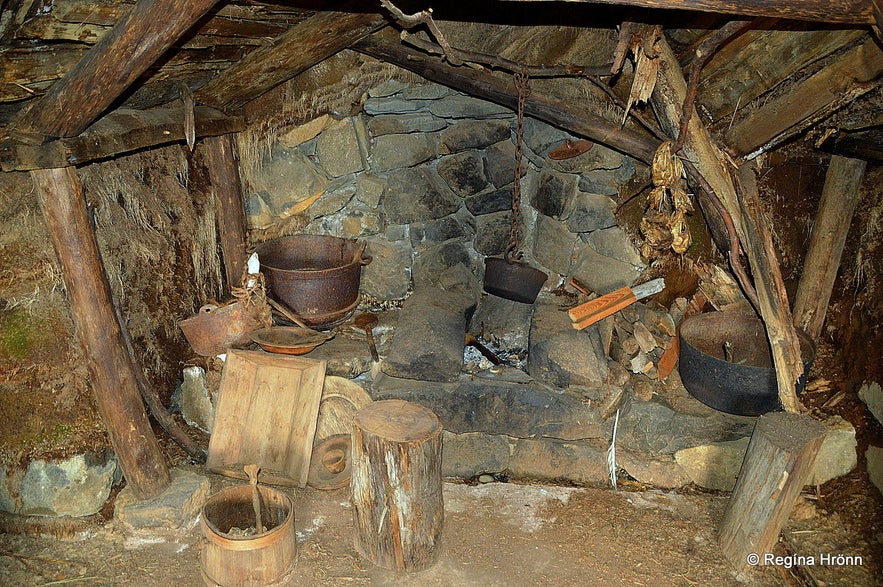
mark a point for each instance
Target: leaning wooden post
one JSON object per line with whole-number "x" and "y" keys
{"x": 396, "y": 484}
{"x": 777, "y": 465}
{"x": 223, "y": 171}
{"x": 110, "y": 368}
{"x": 840, "y": 197}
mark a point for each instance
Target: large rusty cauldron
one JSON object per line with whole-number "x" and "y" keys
{"x": 726, "y": 363}
{"x": 316, "y": 276}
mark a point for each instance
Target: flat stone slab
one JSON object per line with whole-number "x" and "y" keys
{"x": 429, "y": 339}
{"x": 175, "y": 508}
{"x": 500, "y": 408}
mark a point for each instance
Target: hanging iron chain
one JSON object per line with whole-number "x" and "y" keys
{"x": 522, "y": 86}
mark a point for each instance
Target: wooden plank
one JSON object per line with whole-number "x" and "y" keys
{"x": 836, "y": 11}
{"x": 759, "y": 60}
{"x": 110, "y": 369}
{"x": 111, "y": 66}
{"x": 266, "y": 415}
{"x": 119, "y": 132}
{"x": 778, "y": 463}
{"x": 840, "y": 196}
{"x": 220, "y": 158}
{"x": 304, "y": 45}
{"x": 855, "y": 73}
{"x": 771, "y": 294}
{"x": 500, "y": 90}
{"x": 29, "y": 72}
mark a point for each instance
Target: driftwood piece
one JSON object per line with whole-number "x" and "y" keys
{"x": 110, "y": 369}
{"x": 778, "y": 463}
{"x": 396, "y": 486}
{"x": 671, "y": 90}
{"x": 121, "y": 131}
{"x": 855, "y": 73}
{"x": 840, "y": 197}
{"x": 110, "y": 67}
{"x": 301, "y": 47}
{"x": 500, "y": 90}
{"x": 223, "y": 170}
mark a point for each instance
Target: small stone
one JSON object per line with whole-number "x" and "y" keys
{"x": 486, "y": 478}
{"x": 305, "y": 132}
{"x": 714, "y": 466}
{"x": 554, "y": 194}
{"x": 402, "y": 151}
{"x": 176, "y": 507}
{"x": 872, "y": 395}
{"x": 193, "y": 400}
{"x": 643, "y": 389}
{"x": 630, "y": 346}
{"x": 639, "y": 362}
{"x": 473, "y": 134}
{"x": 463, "y": 172}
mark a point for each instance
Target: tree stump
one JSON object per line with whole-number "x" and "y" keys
{"x": 396, "y": 484}
{"x": 777, "y": 464}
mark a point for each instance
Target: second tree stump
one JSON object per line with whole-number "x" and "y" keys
{"x": 396, "y": 484}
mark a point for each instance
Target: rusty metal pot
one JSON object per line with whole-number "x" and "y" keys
{"x": 317, "y": 276}
{"x": 214, "y": 329}
{"x": 726, "y": 363}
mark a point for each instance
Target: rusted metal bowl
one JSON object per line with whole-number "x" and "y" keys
{"x": 214, "y": 329}
{"x": 317, "y": 276}
{"x": 745, "y": 384}
{"x": 512, "y": 280}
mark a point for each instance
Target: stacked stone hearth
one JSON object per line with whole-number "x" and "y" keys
{"x": 424, "y": 176}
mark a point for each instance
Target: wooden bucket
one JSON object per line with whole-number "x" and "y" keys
{"x": 265, "y": 559}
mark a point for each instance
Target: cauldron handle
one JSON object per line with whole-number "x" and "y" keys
{"x": 361, "y": 257}
{"x": 513, "y": 256}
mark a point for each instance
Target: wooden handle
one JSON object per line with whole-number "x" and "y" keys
{"x": 602, "y": 306}
{"x": 592, "y": 311}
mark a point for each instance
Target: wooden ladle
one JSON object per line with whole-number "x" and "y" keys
{"x": 252, "y": 472}
{"x": 367, "y": 321}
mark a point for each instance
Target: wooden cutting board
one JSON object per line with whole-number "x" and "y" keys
{"x": 266, "y": 414}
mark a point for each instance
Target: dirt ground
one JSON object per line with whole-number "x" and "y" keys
{"x": 494, "y": 534}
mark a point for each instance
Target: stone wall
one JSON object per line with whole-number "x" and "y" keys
{"x": 424, "y": 175}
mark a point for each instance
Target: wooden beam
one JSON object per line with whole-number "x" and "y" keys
{"x": 110, "y": 67}
{"x": 110, "y": 368}
{"x": 840, "y": 196}
{"x": 774, "y": 306}
{"x": 862, "y": 144}
{"x": 304, "y": 45}
{"x": 119, "y": 132}
{"x": 699, "y": 148}
{"x": 501, "y": 90}
{"x": 219, "y": 154}
{"x": 855, "y": 73}
{"x": 839, "y": 11}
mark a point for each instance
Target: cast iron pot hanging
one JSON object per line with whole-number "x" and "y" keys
{"x": 510, "y": 277}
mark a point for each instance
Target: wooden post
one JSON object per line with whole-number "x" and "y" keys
{"x": 223, "y": 171}
{"x": 396, "y": 484}
{"x": 840, "y": 197}
{"x": 778, "y": 463}
{"x": 110, "y": 368}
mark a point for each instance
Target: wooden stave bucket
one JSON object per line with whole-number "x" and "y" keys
{"x": 265, "y": 559}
